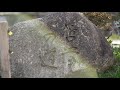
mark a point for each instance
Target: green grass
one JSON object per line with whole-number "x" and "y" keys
{"x": 114, "y": 71}
{"x": 114, "y": 37}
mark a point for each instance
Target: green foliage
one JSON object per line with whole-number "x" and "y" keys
{"x": 114, "y": 37}
{"x": 109, "y": 41}
{"x": 114, "y": 71}
{"x": 116, "y": 52}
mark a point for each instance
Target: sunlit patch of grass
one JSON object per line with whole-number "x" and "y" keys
{"x": 114, "y": 37}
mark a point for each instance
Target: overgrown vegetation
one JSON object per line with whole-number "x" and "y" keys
{"x": 114, "y": 71}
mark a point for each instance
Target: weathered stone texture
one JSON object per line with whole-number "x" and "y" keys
{"x": 60, "y": 44}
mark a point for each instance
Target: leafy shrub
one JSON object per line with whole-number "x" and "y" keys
{"x": 116, "y": 52}
{"x": 114, "y": 71}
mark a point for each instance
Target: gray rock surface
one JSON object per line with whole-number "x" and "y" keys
{"x": 61, "y": 44}
{"x": 82, "y": 35}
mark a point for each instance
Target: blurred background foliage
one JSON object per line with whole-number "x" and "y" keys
{"x": 101, "y": 19}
